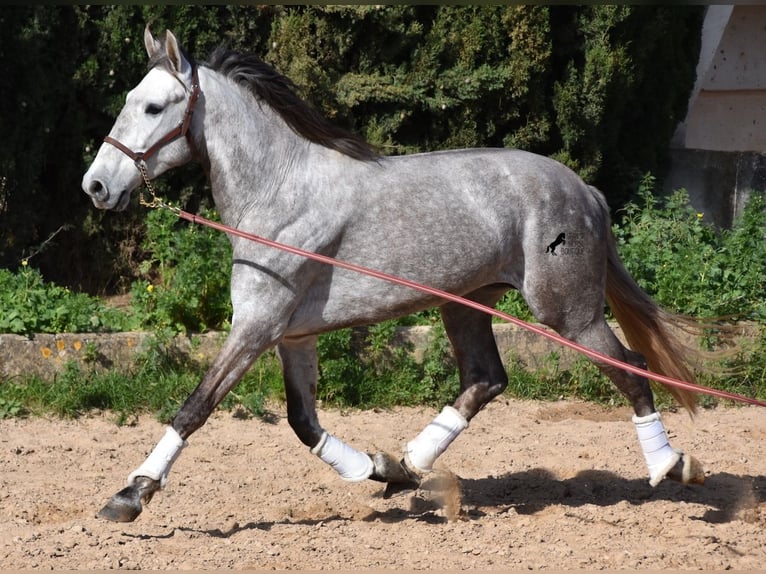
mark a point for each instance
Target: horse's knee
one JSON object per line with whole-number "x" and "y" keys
{"x": 482, "y": 378}
{"x": 500, "y": 384}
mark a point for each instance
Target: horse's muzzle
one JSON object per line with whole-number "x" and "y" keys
{"x": 102, "y": 198}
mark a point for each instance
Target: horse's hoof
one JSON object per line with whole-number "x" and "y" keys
{"x": 688, "y": 470}
{"x": 125, "y": 506}
{"x": 397, "y": 476}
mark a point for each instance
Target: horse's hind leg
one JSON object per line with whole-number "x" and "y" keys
{"x": 661, "y": 459}
{"x": 300, "y": 370}
{"x": 482, "y": 378}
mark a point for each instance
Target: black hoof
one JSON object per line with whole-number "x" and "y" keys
{"x": 397, "y": 476}
{"x": 125, "y": 506}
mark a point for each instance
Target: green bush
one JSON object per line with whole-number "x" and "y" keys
{"x": 689, "y": 266}
{"x": 602, "y": 87}
{"x": 30, "y": 305}
{"x": 362, "y": 368}
{"x": 185, "y": 284}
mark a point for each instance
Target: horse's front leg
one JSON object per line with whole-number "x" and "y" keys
{"x": 235, "y": 358}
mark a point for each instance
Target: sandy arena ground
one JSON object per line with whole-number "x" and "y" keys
{"x": 528, "y": 485}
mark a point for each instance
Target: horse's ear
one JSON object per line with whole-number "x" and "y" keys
{"x": 175, "y": 55}
{"x": 152, "y": 44}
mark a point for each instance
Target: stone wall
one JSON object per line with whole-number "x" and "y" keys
{"x": 47, "y": 355}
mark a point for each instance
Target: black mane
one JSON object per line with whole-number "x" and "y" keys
{"x": 278, "y": 92}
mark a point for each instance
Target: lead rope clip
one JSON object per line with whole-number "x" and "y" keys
{"x": 155, "y": 201}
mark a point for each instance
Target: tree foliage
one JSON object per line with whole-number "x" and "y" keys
{"x": 600, "y": 88}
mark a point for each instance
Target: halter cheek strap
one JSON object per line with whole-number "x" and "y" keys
{"x": 181, "y": 130}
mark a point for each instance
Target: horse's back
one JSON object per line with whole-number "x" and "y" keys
{"x": 514, "y": 183}
{"x": 494, "y": 203}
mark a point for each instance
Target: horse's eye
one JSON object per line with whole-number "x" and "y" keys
{"x": 153, "y": 109}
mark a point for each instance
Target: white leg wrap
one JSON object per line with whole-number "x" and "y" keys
{"x": 660, "y": 457}
{"x": 349, "y": 463}
{"x": 422, "y": 451}
{"x": 157, "y": 465}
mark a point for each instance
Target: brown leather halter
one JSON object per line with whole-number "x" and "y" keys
{"x": 181, "y": 130}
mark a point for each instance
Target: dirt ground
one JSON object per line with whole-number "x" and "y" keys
{"x": 536, "y": 485}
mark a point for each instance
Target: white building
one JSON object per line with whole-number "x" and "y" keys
{"x": 719, "y": 150}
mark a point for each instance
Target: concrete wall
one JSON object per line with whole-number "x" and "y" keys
{"x": 719, "y": 182}
{"x": 727, "y": 109}
{"x": 719, "y": 150}
{"x": 48, "y": 355}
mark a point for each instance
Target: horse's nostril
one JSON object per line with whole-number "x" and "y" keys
{"x": 96, "y": 189}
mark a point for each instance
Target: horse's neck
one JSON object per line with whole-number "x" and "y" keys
{"x": 249, "y": 150}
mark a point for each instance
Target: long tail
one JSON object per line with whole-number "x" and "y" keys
{"x": 650, "y": 330}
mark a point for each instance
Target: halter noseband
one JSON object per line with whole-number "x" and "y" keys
{"x": 181, "y": 130}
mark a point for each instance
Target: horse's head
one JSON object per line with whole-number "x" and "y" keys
{"x": 148, "y": 131}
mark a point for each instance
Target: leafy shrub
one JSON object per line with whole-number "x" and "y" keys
{"x": 185, "y": 284}
{"x": 11, "y": 408}
{"x": 30, "y": 305}
{"x": 687, "y": 265}
{"x": 363, "y": 368}
{"x": 601, "y": 86}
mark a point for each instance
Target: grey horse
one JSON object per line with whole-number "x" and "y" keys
{"x": 473, "y": 222}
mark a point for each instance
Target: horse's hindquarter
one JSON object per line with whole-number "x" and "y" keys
{"x": 454, "y": 220}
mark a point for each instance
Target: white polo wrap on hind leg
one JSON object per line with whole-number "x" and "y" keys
{"x": 157, "y": 465}
{"x": 349, "y": 463}
{"x": 422, "y": 451}
{"x": 660, "y": 457}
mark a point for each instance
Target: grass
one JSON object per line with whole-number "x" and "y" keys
{"x": 157, "y": 383}
{"x": 359, "y": 370}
